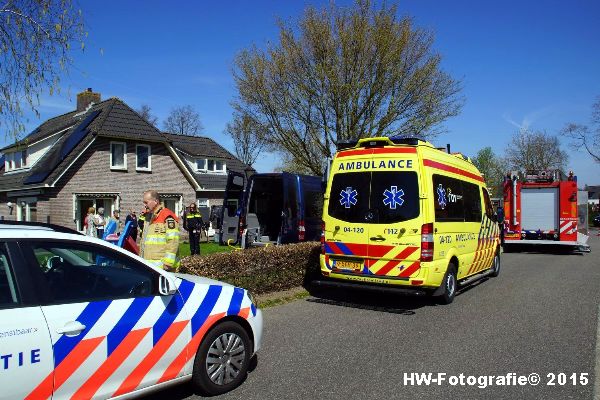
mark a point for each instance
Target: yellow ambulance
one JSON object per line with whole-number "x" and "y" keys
{"x": 402, "y": 215}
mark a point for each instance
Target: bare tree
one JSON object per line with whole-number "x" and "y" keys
{"x": 344, "y": 73}
{"x": 248, "y": 137}
{"x": 146, "y": 112}
{"x": 490, "y": 166}
{"x": 183, "y": 120}
{"x": 534, "y": 151}
{"x": 584, "y": 136}
{"x": 35, "y": 39}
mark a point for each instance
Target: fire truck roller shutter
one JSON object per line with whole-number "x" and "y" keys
{"x": 539, "y": 209}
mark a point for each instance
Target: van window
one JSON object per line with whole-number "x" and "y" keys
{"x": 290, "y": 206}
{"x": 472, "y": 202}
{"x": 456, "y": 200}
{"x": 313, "y": 204}
{"x": 349, "y": 196}
{"x": 374, "y": 197}
{"x": 449, "y": 199}
{"x": 489, "y": 210}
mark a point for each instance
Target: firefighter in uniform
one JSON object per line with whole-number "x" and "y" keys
{"x": 192, "y": 222}
{"x": 160, "y": 236}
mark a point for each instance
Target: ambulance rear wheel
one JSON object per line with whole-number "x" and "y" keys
{"x": 450, "y": 285}
{"x": 222, "y": 360}
{"x": 496, "y": 265}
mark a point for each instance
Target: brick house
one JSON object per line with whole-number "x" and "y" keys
{"x": 105, "y": 155}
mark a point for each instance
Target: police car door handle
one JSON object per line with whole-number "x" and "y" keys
{"x": 72, "y": 328}
{"x": 377, "y": 238}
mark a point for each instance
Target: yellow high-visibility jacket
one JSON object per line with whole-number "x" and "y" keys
{"x": 160, "y": 240}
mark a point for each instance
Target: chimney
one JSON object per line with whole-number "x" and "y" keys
{"x": 84, "y": 99}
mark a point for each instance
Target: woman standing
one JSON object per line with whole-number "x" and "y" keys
{"x": 88, "y": 224}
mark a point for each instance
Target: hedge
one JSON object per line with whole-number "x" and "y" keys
{"x": 260, "y": 270}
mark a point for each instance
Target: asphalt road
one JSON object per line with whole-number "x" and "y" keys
{"x": 539, "y": 316}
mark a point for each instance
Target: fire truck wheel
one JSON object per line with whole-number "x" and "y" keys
{"x": 496, "y": 265}
{"x": 222, "y": 360}
{"x": 450, "y": 285}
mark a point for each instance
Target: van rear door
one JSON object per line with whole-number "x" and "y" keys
{"x": 232, "y": 208}
{"x": 346, "y": 232}
{"x": 394, "y": 230}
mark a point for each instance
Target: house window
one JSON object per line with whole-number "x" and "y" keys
{"x": 208, "y": 165}
{"x": 143, "y": 159}
{"x": 118, "y": 155}
{"x": 202, "y": 203}
{"x": 8, "y": 162}
{"x": 16, "y": 160}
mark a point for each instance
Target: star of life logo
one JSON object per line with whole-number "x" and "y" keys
{"x": 441, "y": 192}
{"x": 348, "y": 197}
{"x": 393, "y": 197}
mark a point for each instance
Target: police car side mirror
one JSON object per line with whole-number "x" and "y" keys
{"x": 166, "y": 286}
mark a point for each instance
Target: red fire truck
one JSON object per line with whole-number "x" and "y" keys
{"x": 541, "y": 208}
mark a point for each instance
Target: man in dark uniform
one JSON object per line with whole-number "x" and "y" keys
{"x": 192, "y": 222}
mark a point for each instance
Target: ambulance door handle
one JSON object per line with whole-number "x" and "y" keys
{"x": 377, "y": 238}
{"x": 72, "y": 328}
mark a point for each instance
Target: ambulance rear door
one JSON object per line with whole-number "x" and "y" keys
{"x": 347, "y": 202}
{"x": 394, "y": 223}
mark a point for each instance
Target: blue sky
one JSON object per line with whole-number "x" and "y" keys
{"x": 523, "y": 64}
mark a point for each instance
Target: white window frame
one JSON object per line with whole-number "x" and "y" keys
{"x": 208, "y": 170}
{"x": 10, "y": 160}
{"x": 205, "y": 164}
{"x": 202, "y": 202}
{"x": 137, "y": 167}
{"x": 224, "y": 169}
{"x": 118, "y": 168}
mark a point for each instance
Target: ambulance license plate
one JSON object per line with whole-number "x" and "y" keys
{"x": 348, "y": 265}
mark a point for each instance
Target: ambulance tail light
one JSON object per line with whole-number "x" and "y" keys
{"x": 301, "y": 230}
{"x": 427, "y": 242}
{"x": 322, "y": 237}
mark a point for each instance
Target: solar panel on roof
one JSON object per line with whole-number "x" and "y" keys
{"x": 58, "y": 155}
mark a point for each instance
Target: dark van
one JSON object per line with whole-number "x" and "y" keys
{"x": 275, "y": 208}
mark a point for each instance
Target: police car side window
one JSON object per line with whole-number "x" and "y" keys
{"x": 8, "y": 291}
{"x": 75, "y": 272}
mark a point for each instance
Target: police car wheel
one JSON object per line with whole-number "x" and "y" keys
{"x": 450, "y": 285}
{"x": 222, "y": 360}
{"x": 496, "y": 265}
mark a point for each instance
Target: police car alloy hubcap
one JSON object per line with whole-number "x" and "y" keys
{"x": 225, "y": 358}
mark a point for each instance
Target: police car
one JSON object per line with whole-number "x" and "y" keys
{"x": 81, "y": 318}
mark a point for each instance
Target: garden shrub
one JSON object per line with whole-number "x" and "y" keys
{"x": 260, "y": 270}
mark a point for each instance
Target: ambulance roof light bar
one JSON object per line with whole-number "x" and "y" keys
{"x": 346, "y": 144}
{"x": 406, "y": 139}
{"x": 380, "y": 141}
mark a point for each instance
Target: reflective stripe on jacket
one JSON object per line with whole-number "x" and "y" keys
{"x": 192, "y": 221}
{"x": 160, "y": 240}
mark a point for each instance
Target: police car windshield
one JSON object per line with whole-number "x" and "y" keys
{"x": 374, "y": 197}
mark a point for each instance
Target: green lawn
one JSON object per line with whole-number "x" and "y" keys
{"x": 205, "y": 248}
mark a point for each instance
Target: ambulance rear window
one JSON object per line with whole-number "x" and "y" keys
{"x": 374, "y": 197}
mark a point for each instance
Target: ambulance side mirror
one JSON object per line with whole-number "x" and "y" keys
{"x": 166, "y": 286}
